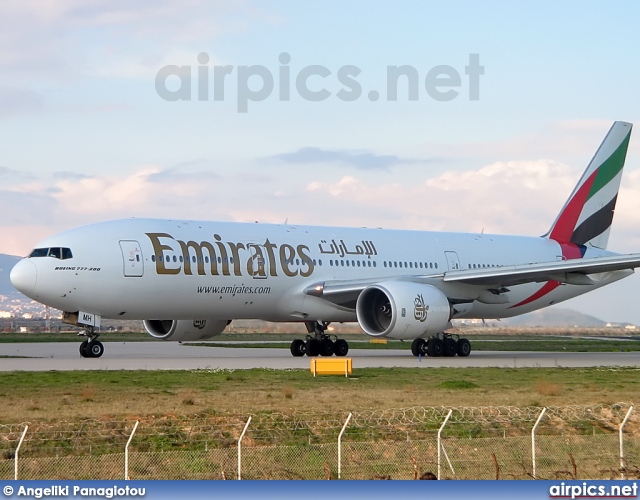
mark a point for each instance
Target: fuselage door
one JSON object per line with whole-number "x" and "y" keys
{"x": 452, "y": 261}
{"x": 258, "y": 264}
{"x": 133, "y": 264}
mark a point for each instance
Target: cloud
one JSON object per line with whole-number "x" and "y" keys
{"x": 509, "y": 197}
{"x": 48, "y": 40}
{"x": 10, "y": 178}
{"x": 26, "y": 209}
{"x": 15, "y": 101}
{"x": 66, "y": 174}
{"x": 503, "y": 197}
{"x": 361, "y": 160}
{"x": 569, "y": 141}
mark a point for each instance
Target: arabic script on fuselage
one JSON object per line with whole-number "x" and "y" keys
{"x": 341, "y": 249}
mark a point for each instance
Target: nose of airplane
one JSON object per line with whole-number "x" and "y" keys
{"x": 24, "y": 276}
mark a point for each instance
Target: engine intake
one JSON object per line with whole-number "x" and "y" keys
{"x": 199, "y": 329}
{"x": 402, "y": 310}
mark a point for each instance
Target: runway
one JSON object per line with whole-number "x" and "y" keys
{"x": 64, "y": 356}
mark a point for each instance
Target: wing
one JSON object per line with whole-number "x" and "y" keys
{"x": 345, "y": 293}
{"x": 573, "y": 272}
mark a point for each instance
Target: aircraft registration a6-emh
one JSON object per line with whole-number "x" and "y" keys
{"x": 188, "y": 279}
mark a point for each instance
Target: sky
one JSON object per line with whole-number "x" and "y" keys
{"x": 285, "y": 110}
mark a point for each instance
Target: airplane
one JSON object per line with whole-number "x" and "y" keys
{"x": 187, "y": 280}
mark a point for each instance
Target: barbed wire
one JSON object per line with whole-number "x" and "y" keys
{"x": 189, "y": 431}
{"x": 486, "y": 414}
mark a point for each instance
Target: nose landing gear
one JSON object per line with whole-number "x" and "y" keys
{"x": 92, "y": 347}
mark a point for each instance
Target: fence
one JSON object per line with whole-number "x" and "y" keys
{"x": 563, "y": 442}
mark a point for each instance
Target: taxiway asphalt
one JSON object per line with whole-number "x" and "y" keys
{"x": 63, "y": 356}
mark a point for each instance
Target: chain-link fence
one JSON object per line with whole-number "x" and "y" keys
{"x": 569, "y": 442}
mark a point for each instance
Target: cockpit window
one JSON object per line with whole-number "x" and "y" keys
{"x": 55, "y": 252}
{"x": 39, "y": 252}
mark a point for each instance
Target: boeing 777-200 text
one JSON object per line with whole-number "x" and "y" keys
{"x": 188, "y": 280}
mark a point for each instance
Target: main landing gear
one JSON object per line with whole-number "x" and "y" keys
{"x": 92, "y": 347}
{"x": 318, "y": 343}
{"x": 441, "y": 344}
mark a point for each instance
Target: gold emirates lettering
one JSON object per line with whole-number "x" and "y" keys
{"x": 231, "y": 259}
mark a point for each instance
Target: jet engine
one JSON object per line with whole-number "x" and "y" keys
{"x": 402, "y": 310}
{"x": 199, "y": 329}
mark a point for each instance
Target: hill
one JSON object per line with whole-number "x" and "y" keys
{"x": 554, "y": 316}
{"x": 6, "y": 264}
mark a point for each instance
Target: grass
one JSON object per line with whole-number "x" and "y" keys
{"x": 458, "y": 384}
{"x": 9, "y": 338}
{"x": 123, "y": 394}
{"x": 546, "y": 388}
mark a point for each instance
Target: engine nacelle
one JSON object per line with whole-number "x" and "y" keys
{"x": 199, "y": 329}
{"x": 402, "y": 310}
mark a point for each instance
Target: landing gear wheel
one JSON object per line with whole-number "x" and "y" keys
{"x": 464, "y": 348}
{"x": 298, "y": 348}
{"x": 434, "y": 347}
{"x": 312, "y": 347}
{"x": 449, "y": 347}
{"x": 94, "y": 349}
{"x": 326, "y": 347}
{"x": 418, "y": 347}
{"x": 341, "y": 347}
{"x": 90, "y": 348}
{"x": 83, "y": 347}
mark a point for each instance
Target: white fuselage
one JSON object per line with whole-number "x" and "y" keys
{"x": 165, "y": 269}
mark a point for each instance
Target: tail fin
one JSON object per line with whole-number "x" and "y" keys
{"x": 586, "y": 217}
